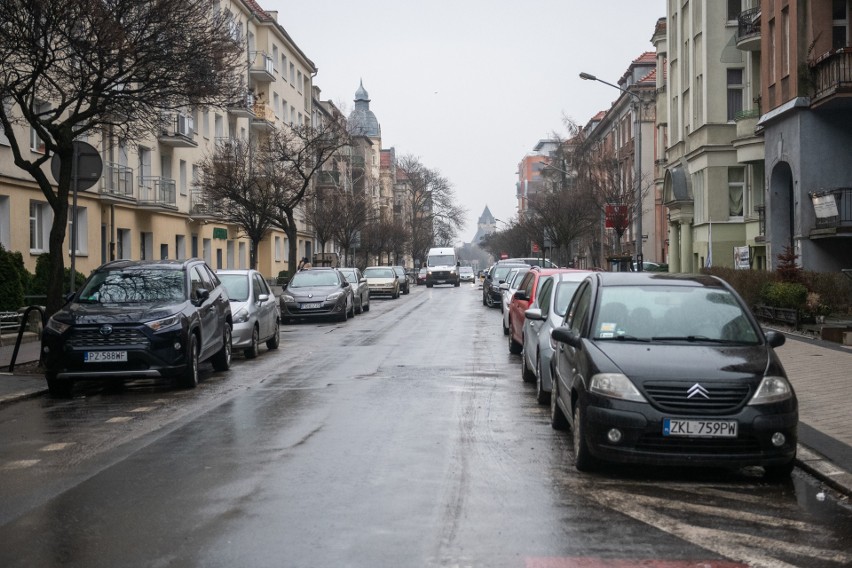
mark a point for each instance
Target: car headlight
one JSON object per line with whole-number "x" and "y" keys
{"x": 241, "y": 316}
{"x": 615, "y": 385}
{"x": 772, "y": 389}
{"x": 334, "y": 297}
{"x": 288, "y": 298}
{"x": 57, "y": 326}
{"x": 163, "y": 323}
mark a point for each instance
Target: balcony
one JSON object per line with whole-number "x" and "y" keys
{"x": 837, "y": 225}
{"x": 200, "y": 206}
{"x": 177, "y": 131}
{"x": 243, "y": 107}
{"x": 264, "y": 117}
{"x": 749, "y": 140}
{"x": 157, "y": 192}
{"x": 748, "y": 30}
{"x": 328, "y": 179}
{"x": 262, "y": 68}
{"x": 117, "y": 184}
{"x": 832, "y": 77}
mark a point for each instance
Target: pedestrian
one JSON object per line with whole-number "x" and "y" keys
{"x": 304, "y": 264}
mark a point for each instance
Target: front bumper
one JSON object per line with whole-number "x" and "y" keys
{"x": 642, "y": 440}
{"x": 294, "y": 310}
{"x": 149, "y": 355}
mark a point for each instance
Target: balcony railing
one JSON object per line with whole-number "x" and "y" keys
{"x": 118, "y": 181}
{"x": 328, "y": 178}
{"x": 832, "y": 73}
{"x": 157, "y": 191}
{"x": 262, "y": 67}
{"x": 244, "y": 106}
{"x": 843, "y": 198}
{"x": 748, "y": 29}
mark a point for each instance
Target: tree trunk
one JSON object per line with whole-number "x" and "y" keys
{"x": 293, "y": 243}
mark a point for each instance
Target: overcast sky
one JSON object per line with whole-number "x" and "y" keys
{"x": 470, "y": 86}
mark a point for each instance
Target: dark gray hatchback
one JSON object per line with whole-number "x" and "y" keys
{"x": 670, "y": 369}
{"x": 133, "y": 319}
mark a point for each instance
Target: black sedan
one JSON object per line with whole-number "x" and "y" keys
{"x": 670, "y": 369}
{"x": 317, "y": 293}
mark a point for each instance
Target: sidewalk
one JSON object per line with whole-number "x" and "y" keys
{"x": 820, "y": 371}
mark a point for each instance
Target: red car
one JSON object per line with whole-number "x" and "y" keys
{"x": 421, "y": 277}
{"x": 522, "y": 300}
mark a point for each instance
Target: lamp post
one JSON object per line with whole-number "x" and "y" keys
{"x": 638, "y": 161}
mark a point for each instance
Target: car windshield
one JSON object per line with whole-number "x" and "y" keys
{"x": 237, "y": 286}
{"x": 441, "y": 260}
{"x": 672, "y": 313}
{"x": 348, "y": 274}
{"x": 564, "y": 293}
{"x": 379, "y": 273}
{"x": 135, "y": 286}
{"x": 308, "y": 278}
{"x": 465, "y": 270}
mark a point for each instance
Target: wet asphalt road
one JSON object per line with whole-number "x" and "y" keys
{"x": 403, "y": 437}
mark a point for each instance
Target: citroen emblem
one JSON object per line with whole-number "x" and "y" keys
{"x": 105, "y": 330}
{"x": 697, "y": 390}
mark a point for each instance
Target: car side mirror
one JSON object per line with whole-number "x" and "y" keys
{"x": 566, "y": 335}
{"x": 521, "y": 295}
{"x": 504, "y": 286}
{"x": 775, "y": 338}
{"x": 201, "y": 295}
{"x": 262, "y": 298}
{"x": 534, "y": 314}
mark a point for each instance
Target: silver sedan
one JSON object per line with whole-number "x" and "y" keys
{"x": 255, "y": 310}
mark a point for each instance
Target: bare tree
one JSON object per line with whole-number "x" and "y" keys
{"x": 433, "y": 215}
{"x": 236, "y": 188}
{"x": 72, "y": 68}
{"x": 514, "y": 241}
{"x": 297, "y": 155}
{"x": 353, "y": 214}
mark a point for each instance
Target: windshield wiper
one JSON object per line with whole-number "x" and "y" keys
{"x": 692, "y": 338}
{"x": 624, "y": 337}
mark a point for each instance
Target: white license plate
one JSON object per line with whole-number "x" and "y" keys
{"x": 311, "y": 306}
{"x": 104, "y": 356}
{"x": 700, "y": 428}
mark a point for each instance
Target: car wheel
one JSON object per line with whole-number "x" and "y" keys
{"x": 557, "y": 417}
{"x": 254, "y": 349}
{"x": 351, "y": 313}
{"x": 274, "y": 341}
{"x": 505, "y": 329}
{"x": 222, "y": 359}
{"x": 367, "y": 307}
{"x": 484, "y": 303}
{"x": 583, "y": 459}
{"x": 359, "y": 309}
{"x": 344, "y": 315}
{"x": 189, "y": 378}
{"x": 526, "y": 374}
{"x": 58, "y": 388}
{"x": 541, "y": 395}
{"x": 395, "y": 294}
{"x": 778, "y": 472}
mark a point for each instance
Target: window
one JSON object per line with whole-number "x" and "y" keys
{"x": 7, "y": 107}
{"x": 785, "y": 42}
{"x": 205, "y": 123}
{"x": 82, "y": 231}
{"x": 292, "y": 73}
{"x": 5, "y": 222}
{"x": 207, "y": 250}
{"x": 734, "y": 9}
{"x": 123, "y": 243}
{"x": 241, "y": 255}
{"x": 735, "y": 93}
{"x": 276, "y": 104}
{"x": 40, "y": 220}
{"x": 839, "y": 24}
{"x": 36, "y": 143}
{"x": 218, "y": 126}
{"x": 164, "y": 251}
{"x": 180, "y": 247}
{"x": 736, "y": 186}
{"x": 299, "y": 81}
{"x": 146, "y": 245}
{"x": 771, "y": 52}
{"x": 274, "y": 56}
{"x": 277, "y": 249}
{"x": 182, "y": 176}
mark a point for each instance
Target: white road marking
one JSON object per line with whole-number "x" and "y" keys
{"x": 59, "y": 446}
{"x": 119, "y": 419}
{"x": 20, "y": 464}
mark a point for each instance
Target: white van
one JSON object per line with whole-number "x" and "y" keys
{"x": 442, "y": 267}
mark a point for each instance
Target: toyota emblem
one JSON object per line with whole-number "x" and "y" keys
{"x": 105, "y": 329}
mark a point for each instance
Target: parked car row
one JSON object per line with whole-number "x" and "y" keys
{"x": 650, "y": 368}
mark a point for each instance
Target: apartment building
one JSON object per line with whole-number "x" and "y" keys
{"x": 713, "y": 183}
{"x": 146, "y": 205}
{"x": 806, "y": 122}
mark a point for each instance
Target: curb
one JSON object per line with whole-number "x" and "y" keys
{"x": 824, "y": 470}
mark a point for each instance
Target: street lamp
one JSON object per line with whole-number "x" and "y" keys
{"x": 638, "y": 162}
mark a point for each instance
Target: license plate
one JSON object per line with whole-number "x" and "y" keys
{"x": 311, "y": 306}
{"x": 700, "y": 428}
{"x": 104, "y": 356}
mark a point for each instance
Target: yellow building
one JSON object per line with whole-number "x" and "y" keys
{"x": 146, "y": 204}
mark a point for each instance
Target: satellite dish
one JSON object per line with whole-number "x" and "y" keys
{"x": 86, "y": 169}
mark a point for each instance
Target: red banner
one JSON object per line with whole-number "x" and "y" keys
{"x": 616, "y": 217}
